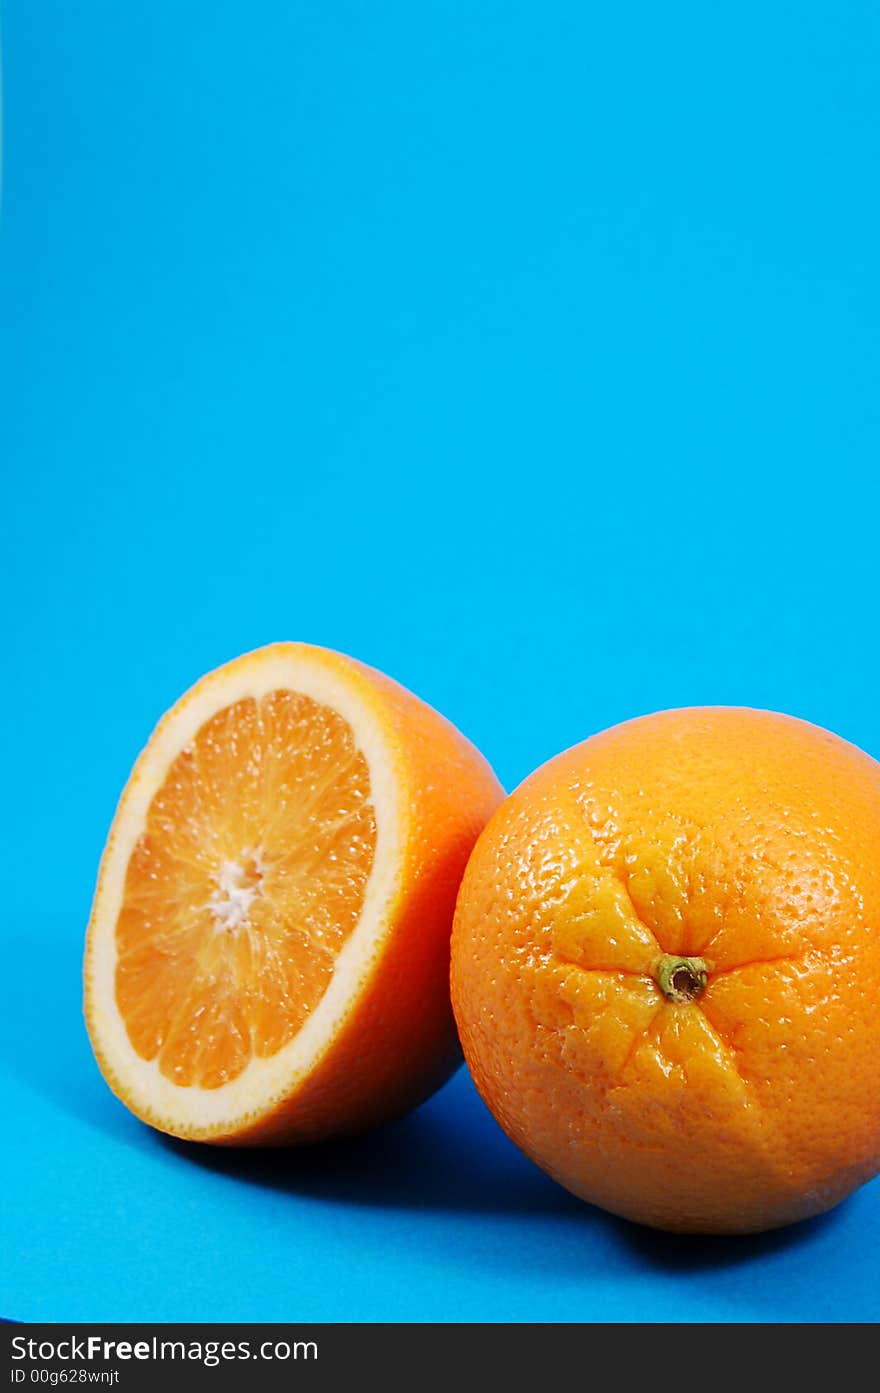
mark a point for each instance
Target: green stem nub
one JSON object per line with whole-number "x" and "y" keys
{"x": 681, "y": 979}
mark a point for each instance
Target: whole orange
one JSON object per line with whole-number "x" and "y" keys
{"x": 666, "y": 969}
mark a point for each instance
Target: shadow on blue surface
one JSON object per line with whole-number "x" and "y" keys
{"x": 447, "y": 1159}
{"x": 695, "y": 1252}
{"x": 451, "y": 1156}
{"x": 437, "y": 1158}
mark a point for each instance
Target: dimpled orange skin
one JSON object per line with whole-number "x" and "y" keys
{"x": 747, "y": 840}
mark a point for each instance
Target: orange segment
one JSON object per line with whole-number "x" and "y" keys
{"x": 269, "y": 947}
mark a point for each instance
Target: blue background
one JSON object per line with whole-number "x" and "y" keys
{"x": 526, "y": 351}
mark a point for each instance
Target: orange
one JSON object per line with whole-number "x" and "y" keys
{"x": 666, "y": 969}
{"x": 268, "y": 953}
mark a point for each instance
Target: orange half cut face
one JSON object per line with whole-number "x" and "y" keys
{"x": 244, "y": 885}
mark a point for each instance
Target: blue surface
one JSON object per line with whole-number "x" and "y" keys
{"x": 528, "y": 352}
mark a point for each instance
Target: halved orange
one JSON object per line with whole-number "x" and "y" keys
{"x": 268, "y": 954}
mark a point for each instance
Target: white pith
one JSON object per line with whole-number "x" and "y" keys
{"x": 263, "y": 1081}
{"x": 231, "y": 900}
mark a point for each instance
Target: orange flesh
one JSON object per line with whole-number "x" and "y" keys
{"x": 247, "y": 881}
